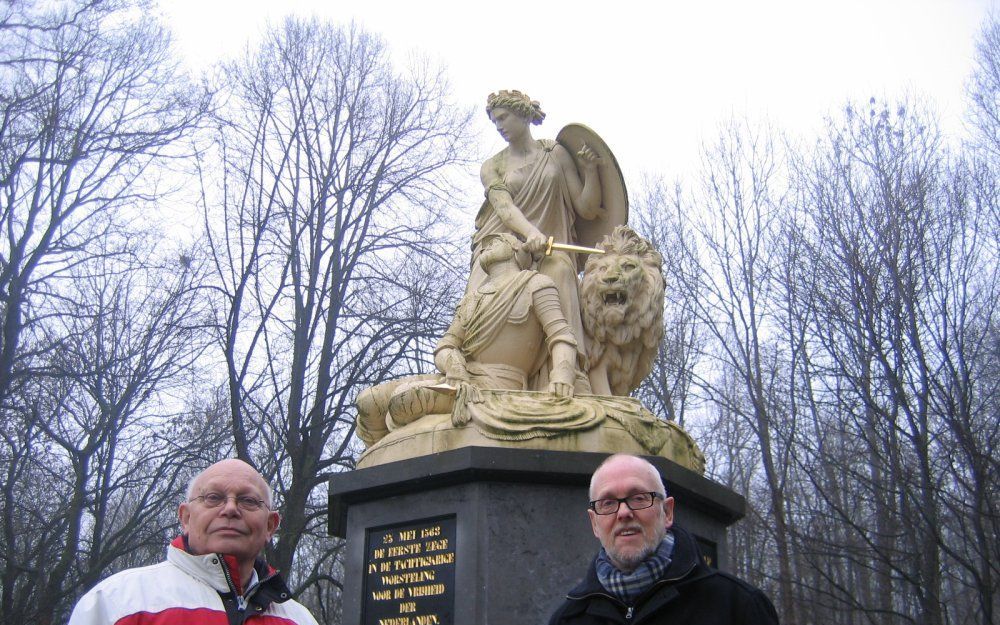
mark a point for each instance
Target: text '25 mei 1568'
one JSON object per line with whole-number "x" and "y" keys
{"x": 410, "y": 574}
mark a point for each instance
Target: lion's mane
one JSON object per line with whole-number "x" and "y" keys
{"x": 621, "y": 299}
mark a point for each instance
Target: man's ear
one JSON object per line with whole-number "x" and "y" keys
{"x": 593, "y": 523}
{"x": 183, "y": 515}
{"x": 668, "y": 511}
{"x": 273, "y": 523}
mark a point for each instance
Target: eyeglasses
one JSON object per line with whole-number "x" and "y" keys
{"x": 245, "y": 503}
{"x": 638, "y": 501}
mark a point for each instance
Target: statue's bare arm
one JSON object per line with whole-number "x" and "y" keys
{"x": 563, "y": 375}
{"x": 448, "y": 356}
{"x": 585, "y": 192}
{"x": 452, "y": 363}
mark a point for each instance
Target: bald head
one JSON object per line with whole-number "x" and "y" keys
{"x": 230, "y": 466}
{"x": 626, "y": 462}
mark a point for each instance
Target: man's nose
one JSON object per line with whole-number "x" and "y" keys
{"x": 624, "y": 512}
{"x": 230, "y": 507}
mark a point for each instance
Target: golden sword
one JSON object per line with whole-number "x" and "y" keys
{"x": 566, "y": 247}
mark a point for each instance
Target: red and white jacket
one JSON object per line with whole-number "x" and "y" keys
{"x": 190, "y": 590}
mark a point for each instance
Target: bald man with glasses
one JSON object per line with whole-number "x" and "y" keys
{"x": 213, "y": 572}
{"x": 649, "y": 571}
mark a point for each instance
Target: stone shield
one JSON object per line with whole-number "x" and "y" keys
{"x": 614, "y": 196}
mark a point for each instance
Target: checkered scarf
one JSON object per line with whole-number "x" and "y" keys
{"x": 629, "y": 586}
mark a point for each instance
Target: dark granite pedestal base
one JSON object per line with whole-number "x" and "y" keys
{"x": 487, "y": 536}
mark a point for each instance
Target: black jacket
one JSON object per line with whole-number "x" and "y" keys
{"x": 689, "y": 593}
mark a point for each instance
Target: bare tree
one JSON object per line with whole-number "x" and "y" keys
{"x": 109, "y": 465}
{"x": 737, "y": 228}
{"x": 848, "y": 365}
{"x": 658, "y": 214}
{"x": 984, "y": 87}
{"x": 90, "y": 104}
{"x": 323, "y": 248}
{"x": 900, "y": 286}
{"x": 90, "y": 109}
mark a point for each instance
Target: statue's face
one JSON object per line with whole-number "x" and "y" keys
{"x": 509, "y": 124}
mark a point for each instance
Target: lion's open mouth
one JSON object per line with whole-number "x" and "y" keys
{"x": 615, "y": 298}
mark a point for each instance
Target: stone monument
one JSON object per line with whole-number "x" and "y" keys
{"x": 467, "y": 505}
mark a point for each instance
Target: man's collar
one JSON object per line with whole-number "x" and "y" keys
{"x": 231, "y": 565}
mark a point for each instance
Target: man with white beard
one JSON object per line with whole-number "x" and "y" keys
{"x": 649, "y": 571}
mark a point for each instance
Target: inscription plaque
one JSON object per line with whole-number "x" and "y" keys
{"x": 410, "y": 573}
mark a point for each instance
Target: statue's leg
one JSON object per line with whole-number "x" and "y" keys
{"x": 373, "y": 403}
{"x": 373, "y": 407}
{"x": 561, "y": 267}
{"x": 413, "y": 400}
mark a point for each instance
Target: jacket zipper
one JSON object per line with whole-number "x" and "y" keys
{"x": 241, "y": 601}
{"x": 229, "y": 582}
{"x": 630, "y": 610}
{"x": 226, "y": 574}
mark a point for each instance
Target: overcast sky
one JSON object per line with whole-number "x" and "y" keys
{"x": 654, "y": 79}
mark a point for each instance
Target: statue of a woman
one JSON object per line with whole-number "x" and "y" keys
{"x": 534, "y": 190}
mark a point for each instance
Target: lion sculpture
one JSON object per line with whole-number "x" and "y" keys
{"x": 621, "y": 297}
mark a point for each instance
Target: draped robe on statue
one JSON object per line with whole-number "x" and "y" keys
{"x": 539, "y": 189}
{"x": 500, "y": 327}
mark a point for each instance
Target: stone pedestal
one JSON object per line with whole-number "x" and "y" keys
{"x": 487, "y": 536}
